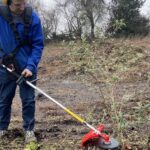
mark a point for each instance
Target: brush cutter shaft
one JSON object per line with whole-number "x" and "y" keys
{"x": 46, "y": 95}
{"x": 56, "y": 102}
{"x": 95, "y": 133}
{"x": 93, "y": 128}
{"x": 63, "y": 107}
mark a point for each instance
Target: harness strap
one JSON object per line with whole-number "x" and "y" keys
{"x": 27, "y": 18}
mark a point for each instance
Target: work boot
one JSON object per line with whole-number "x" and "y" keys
{"x": 30, "y": 137}
{"x": 3, "y": 133}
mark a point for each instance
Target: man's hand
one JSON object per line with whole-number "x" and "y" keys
{"x": 26, "y": 73}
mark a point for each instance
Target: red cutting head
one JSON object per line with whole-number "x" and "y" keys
{"x": 92, "y": 138}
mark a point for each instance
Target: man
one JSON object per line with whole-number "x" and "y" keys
{"x": 26, "y": 58}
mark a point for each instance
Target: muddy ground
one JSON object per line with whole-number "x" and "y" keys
{"x": 56, "y": 130}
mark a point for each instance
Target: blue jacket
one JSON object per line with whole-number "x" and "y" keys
{"x": 29, "y": 55}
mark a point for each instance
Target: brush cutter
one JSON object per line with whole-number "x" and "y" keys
{"x": 94, "y": 138}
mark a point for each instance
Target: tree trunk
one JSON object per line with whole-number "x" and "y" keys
{"x": 92, "y": 25}
{"x": 92, "y": 31}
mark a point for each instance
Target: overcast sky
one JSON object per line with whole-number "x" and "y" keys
{"x": 145, "y": 9}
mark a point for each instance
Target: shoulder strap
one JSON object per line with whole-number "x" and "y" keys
{"x": 27, "y": 19}
{"x": 5, "y": 13}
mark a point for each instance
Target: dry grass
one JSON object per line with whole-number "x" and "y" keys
{"x": 110, "y": 85}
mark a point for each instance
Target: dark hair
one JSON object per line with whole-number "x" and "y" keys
{"x": 9, "y": 2}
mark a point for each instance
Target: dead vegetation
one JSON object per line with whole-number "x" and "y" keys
{"x": 104, "y": 82}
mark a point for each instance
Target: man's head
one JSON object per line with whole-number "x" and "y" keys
{"x": 16, "y": 6}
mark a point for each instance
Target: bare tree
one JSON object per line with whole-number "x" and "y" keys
{"x": 79, "y": 13}
{"x": 49, "y": 18}
{"x": 94, "y": 10}
{"x": 35, "y": 4}
{"x": 50, "y": 22}
{"x": 71, "y": 11}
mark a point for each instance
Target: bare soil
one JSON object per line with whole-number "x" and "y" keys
{"x": 56, "y": 130}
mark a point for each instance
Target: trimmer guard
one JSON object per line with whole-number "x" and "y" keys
{"x": 92, "y": 138}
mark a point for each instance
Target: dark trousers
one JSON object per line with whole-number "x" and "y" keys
{"x": 27, "y": 95}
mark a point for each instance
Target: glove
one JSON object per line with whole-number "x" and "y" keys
{"x": 8, "y": 60}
